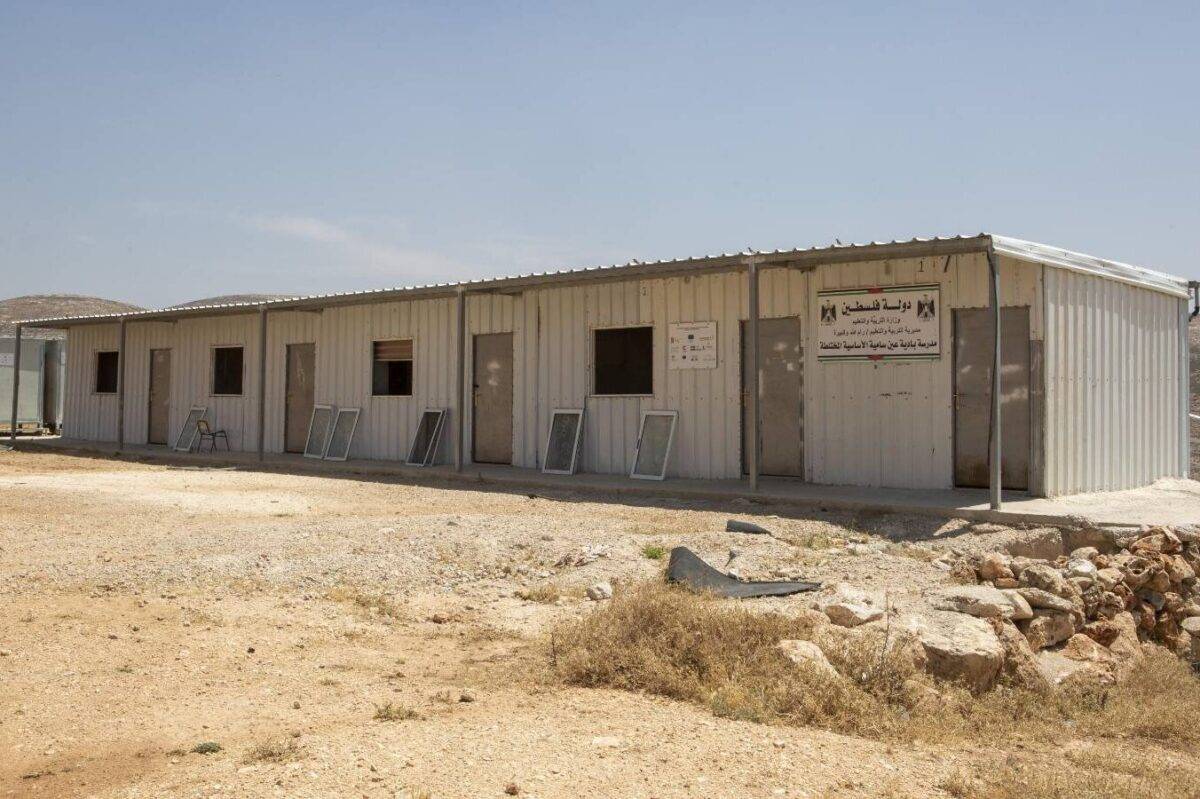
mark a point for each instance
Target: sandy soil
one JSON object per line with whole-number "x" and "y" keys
{"x": 145, "y": 609}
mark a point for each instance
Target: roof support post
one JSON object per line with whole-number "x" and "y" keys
{"x": 753, "y": 418}
{"x": 460, "y": 379}
{"x": 121, "y": 387}
{"x": 994, "y": 458}
{"x": 16, "y": 387}
{"x": 262, "y": 377}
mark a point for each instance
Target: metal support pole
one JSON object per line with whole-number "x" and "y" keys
{"x": 994, "y": 479}
{"x": 460, "y": 381}
{"x": 121, "y": 387}
{"x": 262, "y": 377}
{"x": 756, "y": 377}
{"x": 16, "y": 387}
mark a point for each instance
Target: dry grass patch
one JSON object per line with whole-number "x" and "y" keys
{"x": 662, "y": 640}
{"x": 370, "y": 604}
{"x": 666, "y": 641}
{"x": 548, "y": 593}
{"x": 396, "y": 712}
{"x": 1107, "y": 771}
{"x": 274, "y": 750}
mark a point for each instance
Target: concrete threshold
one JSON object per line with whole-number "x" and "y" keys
{"x": 970, "y": 504}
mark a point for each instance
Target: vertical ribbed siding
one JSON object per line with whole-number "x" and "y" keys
{"x": 1116, "y": 377}
{"x": 892, "y": 423}
{"x": 191, "y": 376}
{"x": 495, "y": 313}
{"x": 386, "y": 424}
{"x": 140, "y": 338}
{"x": 88, "y": 416}
{"x": 283, "y": 328}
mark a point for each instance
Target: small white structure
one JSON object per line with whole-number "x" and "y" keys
{"x": 874, "y": 367}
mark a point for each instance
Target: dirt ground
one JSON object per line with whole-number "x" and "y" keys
{"x": 148, "y": 609}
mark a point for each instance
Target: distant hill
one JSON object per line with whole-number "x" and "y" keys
{"x": 45, "y": 306}
{"x": 227, "y": 299}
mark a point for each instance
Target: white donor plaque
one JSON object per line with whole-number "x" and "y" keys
{"x": 879, "y": 324}
{"x": 6, "y": 359}
{"x": 692, "y": 345}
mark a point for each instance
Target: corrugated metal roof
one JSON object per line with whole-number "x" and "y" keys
{"x": 838, "y": 252}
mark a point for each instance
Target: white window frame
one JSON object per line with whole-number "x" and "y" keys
{"x": 435, "y": 439}
{"x": 574, "y": 450}
{"x": 333, "y": 428}
{"x": 184, "y": 429}
{"x": 312, "y": 418}
{"x": 670, "y": 445}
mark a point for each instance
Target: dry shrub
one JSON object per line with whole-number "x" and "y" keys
{"x": 663, "y": 640}
{"x": 274, "y": 750}
{"x": 396, "y": 712}
{"x": 673, "y": 643}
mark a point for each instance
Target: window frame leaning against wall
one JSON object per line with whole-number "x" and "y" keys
{"x": 398, "y": 345}
{"x": 116, "y": 372}
{"x": 622, "y": 367}
{"x": 212, "y": 371}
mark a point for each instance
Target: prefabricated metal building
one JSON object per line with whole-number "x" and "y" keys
{"x": 875, "y": 366}
{"x": 43, "y": 369}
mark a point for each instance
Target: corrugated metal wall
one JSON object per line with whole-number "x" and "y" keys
{"x": 1112, "y": 374}
{"x": 88, "y": 416}
{"x": 892, "y": 423}
{"x": 1114, "y": 369}
{"x": 283, "y": 328}
{"x": 386, "y": 425}
{"x": 140, "y": 338}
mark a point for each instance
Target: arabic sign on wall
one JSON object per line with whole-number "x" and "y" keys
{"x": 692, "y": 345}
{"x": 886, "y": 323}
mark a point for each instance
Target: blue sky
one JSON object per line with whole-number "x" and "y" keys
{"x": 160, "y": 152}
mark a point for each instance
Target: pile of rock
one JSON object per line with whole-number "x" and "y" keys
{"x": 1084, "y": 617}
{"x": 1152, "y": 578}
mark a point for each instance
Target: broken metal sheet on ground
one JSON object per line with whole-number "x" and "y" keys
{"x": 687, "y": 568}
{"x": 739, "y": 526}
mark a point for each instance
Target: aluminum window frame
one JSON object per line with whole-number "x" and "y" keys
{"x": 329, "y": 432}
{"x": 184, "y": 429}
{"x": 579, "y": 412}
{"x": 674, "y": 416}
{"x": 337, "y": 415}
{"x": 435, "y": 439}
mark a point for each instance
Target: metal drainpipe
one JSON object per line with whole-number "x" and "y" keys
{"x": 16, "y": 387}
{"x": 121, "y": 388}
{"x": 752, "y": 332}
{"x": 994, "y": 479}
{"x": 460, "y": 381}
{"x": 262, "y": 378}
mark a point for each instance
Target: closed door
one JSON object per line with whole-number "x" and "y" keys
{"x": 299, "y": 395}
{"x": 974, "y": 334}
{"x": 780, "y": 398}
{"x": 158, "y": 429}
{"x": 492, "y": 416}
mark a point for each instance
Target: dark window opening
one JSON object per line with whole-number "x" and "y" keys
{"x": 107, "y": 368}
{"x": 392, "y": 368}
{"x": 227, "y": 371}
{"x": 624, "y": 359}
